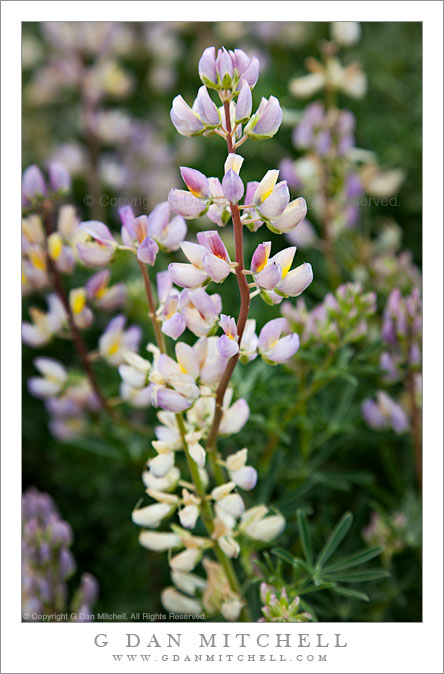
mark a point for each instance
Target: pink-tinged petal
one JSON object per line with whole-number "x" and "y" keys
{"x": 186, "y": 276}
{"x": 232, "y": 186}
{"x": 186, "y": 204}
{"x": 250, "y": 191}
{"x": 42, "y": 388}
{"x": 33, "y": 183}
{"x": 98, "y": 231}
{"x": 284, "y": 349}
{"x": 268, "y": 118}
{"x": 141, "y": 227}
{"x": 32, "y": 336}
{"x": 215, "y": 187}
{"x": 113, "y": 298}
{"x": 216, "y": 268}
{"x": 194, "y": 252}
{"x": 132, "y": 338}
{"x": 206, "y": 108}
{"x": 227, "y": 347}
{"x": 127, "y": 218}
{"x": 97, "y": 283}
{"x": 207, "y": 66}
{"x": 164, "y": 285}
{"x": 277, "y": 202}
{"x": 260, "y": 257}
{"x": 297, "y": 280}
{"x": 174, "y": 234}
{"x": 93, "y": 254}
{"x": 186, "y": 121}
{"x": 59, "y": 177}
{"x": 196, "y": 182}
{"x": 251, "y": 73}
{"x": 244, "y": 103}
{"x": 271, "y": 332}
{"x": 212, "y": 372}
{"x": 269, "y": 277}
{"x": 294, "y": 213}
{"x": 235, "y": 417}
{"x": 224, "y": 65}
{"x": 228, "y": 325}
{"x": 147, "y": 251}
{"x": 211, "y": 240}
{"x": 170, "y": 400}
{"x": 158, "y": 220}
{"x": 206, "y": 304}
{"x": 174, "y": 326}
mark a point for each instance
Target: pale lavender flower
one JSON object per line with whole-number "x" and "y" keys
{"x": 272, "y": 347}
{"x": 228, "y": 344}
{"x": 59, "y": 178}
{"x": 385, "y": 413}
{"x": 33, "y": 185}
{"x": 266, "y": 120}
{"x": 232, "y": 186}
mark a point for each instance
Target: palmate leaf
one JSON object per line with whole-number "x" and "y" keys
{"x": 304, "y": 533}
{"x": 335, "y": 538}
{"x": 356, "y": 576}
{"x": 356, "y": 558}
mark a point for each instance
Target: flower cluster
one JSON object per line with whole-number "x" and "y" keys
{"x": 340, "y": 319}
{"x": 68, "y": 397}
{"x": 280, "y": 609}
{"x": 47, "y": 562}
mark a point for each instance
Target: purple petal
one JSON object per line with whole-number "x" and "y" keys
{"x": 97, "y": 282}
{"x": 373, "y": 415}
{"x": 59, "y": 177}
{"x": 33, "y": 183}
{"x": 170, "y": 400}
{"x": 147, "y": 251}
{"x": 186, "y": 204}
{"x": 271, "y": 332}
{"x": 284, "y": 349}
{"x": 164, "y": 285}
{"x": 269, "y": 277}
{"x": 297, "y": 280}
{"x": 196, "y": 182}
{"x": 211, "y": 240}
{"x": 244, "y": 103}
{"x": 227, "y": 347}
{"x": 232, "y": 186}
{"x": 186, "y": 276}
{"x": 98, "y": 231}
{"x": 174, "y": 326}
{"x": 207, "y": 66}
{"x": 94, "y": 255}
{"x": 277, "y": 202}
{"x": 206, "y": 108}
{"x": 217, "y": 269}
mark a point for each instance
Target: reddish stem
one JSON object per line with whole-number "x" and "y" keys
{"x": 75, "y": 333}
{"x": 152, "y": 307}
{"x": 244, "y": 293}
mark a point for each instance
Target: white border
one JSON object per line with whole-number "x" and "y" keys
{"x": 372, "y": 647}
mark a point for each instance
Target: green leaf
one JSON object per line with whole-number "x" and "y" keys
{"x": 317, "y": 588}
{"x": 335, "y": 539}
{"x": 358, "y": 576}
{"x": 354, "y": 594}
{"x": 304, "y": 533}
{"x": 287, "y": 557}
{"x": 359, "y": 557}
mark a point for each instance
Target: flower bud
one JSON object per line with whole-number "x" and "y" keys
{"x": 59, "y": 178}
{"x": 232, "y": 186}
{"x": 244, "y": 104}
{"x": 266, "y": 120}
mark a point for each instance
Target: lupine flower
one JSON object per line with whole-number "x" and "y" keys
{"x": 33, "y": 185}
{"x": 59, "y": 178}
{"x": 260, "y": 527}
{"x": 228, "y": 344}
{"x": 107, "y": 298}
{"x": 200, "y": 311}
{"x": 166, "y": 231}
{"x": 234, "y": 416}
{"x": 203, "y": 116}
{"x": 266, "y": 120}
{"x": 228, "y": 69}
{"x": 99, "y": 252}
{"x": 53, "y": 380}
{"x": 209, "y": 259}
{"x": 384, "y": 413}
{"x": 44, "y": 326}
{"x": 249, "y": 342}
{"x": 274, "y": 349}
{"x": 345, "y": 33}
{"x": 280, "y": 609}
{"x": 242, "y": 475}
{"x": 176, "y": 602}
{"x": 47, "y": 562}
{"x": 83, "y": 316}
{"x": 115, "y": 340}
{"x": 159, "y": 541}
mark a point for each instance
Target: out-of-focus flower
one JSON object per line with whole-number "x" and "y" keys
{"x": 106, "y": 298}
{"x": 242, "y": 475}
{"x": 100, "y": 251}
{"x": 345, "y": 33}
{"x": 349, "y": 79}
{"x": 33, "y": 185}
{"x": 53, "y": 380}
{"x": 385, "y": 413}
{"x": 116, "y": 339}
{"x": 47, "y": 562}
{"x": 44, "y": 325}
{"x": 83, "y": 316}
